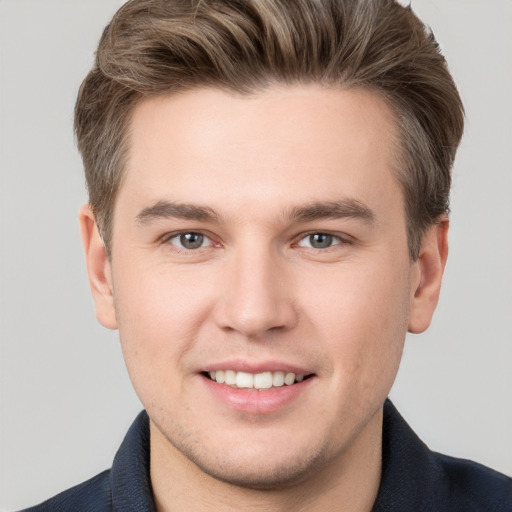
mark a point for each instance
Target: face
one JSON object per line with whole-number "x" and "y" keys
{"x": 261, "y": 239}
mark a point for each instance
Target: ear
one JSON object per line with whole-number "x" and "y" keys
{"x": 98, "y": 268}
{"x": 428, "y": 275}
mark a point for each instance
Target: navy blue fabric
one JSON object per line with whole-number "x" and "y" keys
{"x": 125, "y": 487}
{"x": 414, "y": 479}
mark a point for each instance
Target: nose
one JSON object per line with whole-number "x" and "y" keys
{"x": 256, "y": 296}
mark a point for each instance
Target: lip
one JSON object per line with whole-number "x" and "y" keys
{"x": 240, "y": 365}
{"x": 253, "y": 401}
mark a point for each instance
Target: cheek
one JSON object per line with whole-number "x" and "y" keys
{"x": 363, "y": 314}
{"x": 158, "y": 317}
{"x": 160, "y": 304}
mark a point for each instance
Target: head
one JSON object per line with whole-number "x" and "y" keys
{"x": 154, "y": 48}
{"x": 270, "y": 182}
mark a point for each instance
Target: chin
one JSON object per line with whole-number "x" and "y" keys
{"x": 256, "y": 460}
{"x": 261, "y": 474}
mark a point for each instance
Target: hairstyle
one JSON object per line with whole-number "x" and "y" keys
{"x": 159, "y": 47}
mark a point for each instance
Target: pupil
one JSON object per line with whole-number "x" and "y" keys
{"x": 320, "y": 240}
{"x": 191, "y": 240}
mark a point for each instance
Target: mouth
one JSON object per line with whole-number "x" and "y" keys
{"x": 256, "y": 381}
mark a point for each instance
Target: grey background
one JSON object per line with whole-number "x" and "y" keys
{"x": 66, "y": 400}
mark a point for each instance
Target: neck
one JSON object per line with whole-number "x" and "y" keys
{"x": 350, "y": 482}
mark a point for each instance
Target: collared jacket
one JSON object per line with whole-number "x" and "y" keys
{"x": 414, "y": 479}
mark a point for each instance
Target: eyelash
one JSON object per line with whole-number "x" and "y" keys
{"x": 336, "y": 240}
{"x": 168, "y": 240}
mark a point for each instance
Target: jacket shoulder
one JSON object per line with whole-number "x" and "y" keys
{"x": 476, "y": 487}
{"x": 93, "y": 495}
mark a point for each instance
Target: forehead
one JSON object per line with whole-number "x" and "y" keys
{"x": 280, "y": 145}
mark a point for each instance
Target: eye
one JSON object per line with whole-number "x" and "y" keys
{"x": 319, "y": 241}
{"x": 189, "y": 241}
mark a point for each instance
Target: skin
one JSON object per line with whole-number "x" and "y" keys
{"x": 258, "y": 290}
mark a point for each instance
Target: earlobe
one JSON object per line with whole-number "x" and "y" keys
{"x": 428, "y": 275}
{"x": 98, "y": 268}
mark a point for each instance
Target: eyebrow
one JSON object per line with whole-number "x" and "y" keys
{"x": 345, "y": 208}
{"x": 186, "y": 211}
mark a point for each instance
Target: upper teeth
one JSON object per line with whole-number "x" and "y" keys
{"x": 264, "y": 380}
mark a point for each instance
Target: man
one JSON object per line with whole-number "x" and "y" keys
{"x": 268, "y": 187}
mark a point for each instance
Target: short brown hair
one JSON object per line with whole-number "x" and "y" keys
{"x": 157, "y": 47}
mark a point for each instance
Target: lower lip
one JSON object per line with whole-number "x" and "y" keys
{"x": 253, "y": 401}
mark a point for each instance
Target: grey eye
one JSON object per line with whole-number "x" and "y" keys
{"x": 189, "y": 240}
{"x": 319, "y": 241}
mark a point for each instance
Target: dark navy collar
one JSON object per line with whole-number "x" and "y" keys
{"x": 407, "y": 466}
{"x": 416, "y": 479}
{"x": 129, "y": 477}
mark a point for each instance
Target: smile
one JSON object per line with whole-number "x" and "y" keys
{"x": 258, "y": 381}
{"x": 266, "y": 389}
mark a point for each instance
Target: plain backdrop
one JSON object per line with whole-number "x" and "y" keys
{"x": 66, "y": 400}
